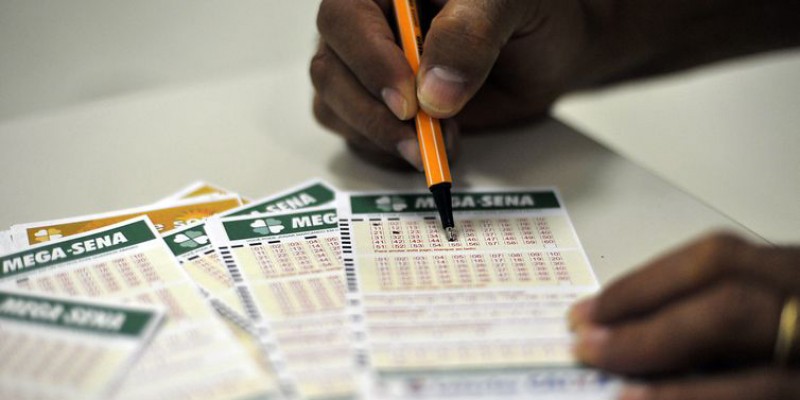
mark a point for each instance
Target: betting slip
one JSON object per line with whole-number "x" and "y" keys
{"x": 192, "y": 246}
{"x": 436, "y": 318}
{"x": 62, "y": 348}
{"x": 289, "y": 273}
{"x": 193, "y": 355}
{"x": 315, "y": 293}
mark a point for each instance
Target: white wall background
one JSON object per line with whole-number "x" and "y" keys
{"x": 56, "y": 53}
{"x": 727, "y": 134}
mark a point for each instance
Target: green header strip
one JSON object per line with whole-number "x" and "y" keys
{"x": 312, "y": 196}
{"x": 188, "y": 240}
{"x": 74, "y": 315}
{"x": 280, "y": 225}
{"x": 485, "y": 201}
{"x": 73, "y": 249}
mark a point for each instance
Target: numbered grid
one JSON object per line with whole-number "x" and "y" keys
{"x": 391, "y": 235}
{"x": 181, "y": 348}
{"x": 37, "y": 364}
{"x": 408, "y": 276}
{"x": 297, "y": 285}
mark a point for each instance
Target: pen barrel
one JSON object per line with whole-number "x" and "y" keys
{"x": 429, "y": 130}
{"x": 432, "y": 149}
{"x": 410, "y": 31}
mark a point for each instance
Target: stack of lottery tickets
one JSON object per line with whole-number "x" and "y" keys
{"x": 309, "y": 293}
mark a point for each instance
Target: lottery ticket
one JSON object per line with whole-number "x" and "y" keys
{"x": 193, "y": 356}
{"x": 291, "y": 279}
{"x": 312, "y": 193}
{"x": 480, "y": 316}
{"x": 197, "y": 189}
{"x": 165, "y": 218}
{"x": 58, "y": 348}
{"x": 194, "y": 250}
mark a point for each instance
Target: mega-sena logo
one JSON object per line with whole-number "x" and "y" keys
{"x": 191, "y": 239}
{"x": 53, "y": 254}
{"x": 267, "y": 226}
{"x": 286, "y": 224}
{"x": 390, "y": 204}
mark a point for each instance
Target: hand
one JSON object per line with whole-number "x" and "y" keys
{"x": 485, "y": 62}
{"x": 716, "y": 302}
{"x": 488, "y": 63}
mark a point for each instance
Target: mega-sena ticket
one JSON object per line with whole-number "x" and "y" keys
{"x": 193, "y": 356}
{"x": 54, "y": 347}
{"x": 287, "y": 269}
{"x": 192, "y": 246}
{"x": 438, "y": 318}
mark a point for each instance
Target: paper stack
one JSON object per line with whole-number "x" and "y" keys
{"x": 307, "y": 293}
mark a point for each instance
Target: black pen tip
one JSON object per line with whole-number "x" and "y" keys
{"x": 451, "y": 233}
{"x": 444, "y": 203}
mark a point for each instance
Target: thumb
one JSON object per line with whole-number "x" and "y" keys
{"x": 461, "y": 47}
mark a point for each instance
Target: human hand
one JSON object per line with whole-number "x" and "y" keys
{"x": 488, "y": 63}
{"x": 716, "y": 302}
{"x": 485, "y": 63}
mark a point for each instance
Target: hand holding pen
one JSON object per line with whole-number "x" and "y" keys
{"x": 489, "y": 63}
{"x": 366, "y": 90}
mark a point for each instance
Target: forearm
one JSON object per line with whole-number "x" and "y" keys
{"x": 639, "y": 38}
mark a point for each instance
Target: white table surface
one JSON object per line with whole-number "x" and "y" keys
{"x": 255, "y": 134}
{"x": 726, "y": 133}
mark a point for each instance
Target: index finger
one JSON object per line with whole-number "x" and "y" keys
{"x": 358, "y": 31}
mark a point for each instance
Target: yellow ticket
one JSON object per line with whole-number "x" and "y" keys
{"x": 197, "y": 189}
{"x": 164, "y": 217}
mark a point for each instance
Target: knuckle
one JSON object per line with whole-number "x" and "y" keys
{"x": 326, "y": 16}
{"x": 374, "y": 125}
{"x": 319, "y": 69}
{"x": 713, "y": 250}
{"x": 321, "y": 112}
{"x": 732, "y": 307}
{"x": 719, "y": 243}
{"x": 383, "y": 129}
{"x": 326, "y": 117}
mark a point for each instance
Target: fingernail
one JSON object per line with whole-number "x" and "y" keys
{"x": 589, "y": 343}
{"x": 634, "y": 392}
{"x": 396, "y": 102}
{"x": 441, "y": 90}
{"x": 580, "y": 313}
{"x": 409, "y": 150}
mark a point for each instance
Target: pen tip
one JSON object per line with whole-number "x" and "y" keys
{"x": 451, "y": 234}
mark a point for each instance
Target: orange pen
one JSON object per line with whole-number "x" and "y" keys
{"x": 429, "y": 130}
